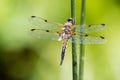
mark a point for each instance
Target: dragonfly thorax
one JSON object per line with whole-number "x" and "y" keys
{"x": 67, "y": 29}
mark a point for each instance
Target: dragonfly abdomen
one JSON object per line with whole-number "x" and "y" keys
{"x": 64, "y": 46}
{"x": 62, "y": 54}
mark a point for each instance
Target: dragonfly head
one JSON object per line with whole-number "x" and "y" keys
{"x": 71, "y": 20}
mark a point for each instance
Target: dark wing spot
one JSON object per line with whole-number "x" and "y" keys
{"x": 45, "y": 20}
{"x": 86, "y": 35}
{"x": 47, "y": 31}
{"x": 32, "y": 29}
{"x": 89, "y": 25}
{"x": 103, "y": 24}
{"x": 57, "y": 32}
{"x": 102, "y": 37}
{"x": 33, "y": 16}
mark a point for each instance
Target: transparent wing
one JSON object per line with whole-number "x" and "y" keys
{"x": 53, "y": 35}
{"x": 90, "y": 39}
{"x": 91, "y": 28}
{"x": 44, "y": 34}
{"x": 45, "y": 24}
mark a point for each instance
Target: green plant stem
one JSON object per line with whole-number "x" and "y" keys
{"x": 82, "y": 49}
{"x": 74, "y": 54}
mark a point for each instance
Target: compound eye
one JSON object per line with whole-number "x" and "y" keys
{"x": 71, "y": 20}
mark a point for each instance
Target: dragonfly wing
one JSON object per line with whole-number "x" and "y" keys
{"x": 44, "y": 34}
{"x": 91, "y": 28}
{"x": 45, "y": 24}
{"x": 90, "y": 39}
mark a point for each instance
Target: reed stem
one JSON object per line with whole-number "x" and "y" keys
{"x": 74, "y": 54}
{"x": 82, "y": 48}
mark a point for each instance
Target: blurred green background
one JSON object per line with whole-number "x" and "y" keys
{"x": 23, "y": 57}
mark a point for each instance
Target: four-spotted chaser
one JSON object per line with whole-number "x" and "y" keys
{"x": 64, "y": 32}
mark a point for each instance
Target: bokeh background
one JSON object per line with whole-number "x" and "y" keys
{"x": 23, "y": 57}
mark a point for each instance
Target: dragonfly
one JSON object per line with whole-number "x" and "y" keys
{"x": 65, "y": 32}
